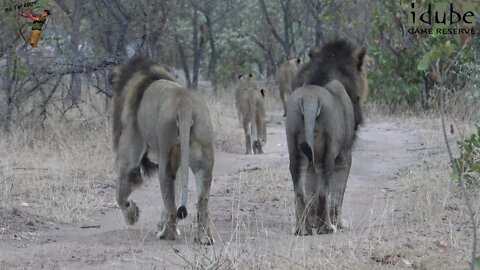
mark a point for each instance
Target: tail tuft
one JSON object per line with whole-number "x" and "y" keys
{"x": 182, "y": 212}
{"x": 148, "y": 166}
{"x": 306, "y": 150}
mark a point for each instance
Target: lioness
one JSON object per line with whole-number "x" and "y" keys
{"x": 285, "y": 76}
{"x": 155, "y": 118}
{"x": 249, "y": 100}
{"x": 323, "y": 116}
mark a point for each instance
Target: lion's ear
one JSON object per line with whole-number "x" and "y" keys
{"x": 314, "y": 52}
{"x": 114, "y": 76}
{"x": 361, "y": 58}
{"x": 250, "y": 75}
{"x": 299, "y": 61}
{"x": 240, "y": 76}
{"x": 263, "y": 92}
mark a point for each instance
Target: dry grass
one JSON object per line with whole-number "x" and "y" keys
{"x": 430, "y": 215}
{"x": 441, "y": 215}
{"x": 419, "y": 222}
{"x": 229, "y": 136}
{"x": 62, "y": 172}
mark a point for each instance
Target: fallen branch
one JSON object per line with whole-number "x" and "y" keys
{"x": 248, "y": 170}
{"x": 90, "y": 227}
{"x": 76, "y": 69}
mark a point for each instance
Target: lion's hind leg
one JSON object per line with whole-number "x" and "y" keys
{"x": 257, "y": 147}
{"x": 283, "y": 98}
{"x": 202, "y": 167}
{"x": 325, "y": 193}
{"x": 302, "y": 224}
{"x": 128, "y": 160}
{"x": 316, "y": 195}
{"x": 325, "y": 223}
{"x": 340, "y": 176}
{"x": 248, "y": 136}
{"x": 261, "y": 133}
{"x": 167, "y": 168}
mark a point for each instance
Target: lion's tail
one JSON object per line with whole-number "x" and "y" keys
{"x": 184, "y": 123}
{"x": 310, "y": 110}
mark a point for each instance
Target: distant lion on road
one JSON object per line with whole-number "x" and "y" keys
{"x": 250, "y": 103}
{"x": 156, "y": 120}
{"x": 322, "y": 119}
{"x": 285, "y": 78}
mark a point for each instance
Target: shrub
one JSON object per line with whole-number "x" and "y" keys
{"x": 468, "y": 163}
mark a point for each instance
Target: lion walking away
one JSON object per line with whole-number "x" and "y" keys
{"x": 323, "y": 116}
{"x": 285, "y": 78}
{"x": 157, "y": 121}
{"x": 250, "y": 103}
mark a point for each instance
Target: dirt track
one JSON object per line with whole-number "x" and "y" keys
{"x": 252, "y": 215}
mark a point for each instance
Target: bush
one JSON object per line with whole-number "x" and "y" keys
{"x": 467, "y": 164}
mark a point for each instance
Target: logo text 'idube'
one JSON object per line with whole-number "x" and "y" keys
{"x": 445, "y": 18}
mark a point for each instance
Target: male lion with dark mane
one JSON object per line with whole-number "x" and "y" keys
{"x": 157, "y": 121}
{"x": 322, "y": 118}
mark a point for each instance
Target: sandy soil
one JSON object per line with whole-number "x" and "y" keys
{"x": 252, "y": 214}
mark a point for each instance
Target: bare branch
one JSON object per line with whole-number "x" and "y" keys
{"x": 81, "y": 69}
{"x": 63, "y": 6}
{"x": 270, "y": 23}
{"x": 119, "y": 18}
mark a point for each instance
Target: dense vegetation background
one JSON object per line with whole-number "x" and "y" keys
{"x": 216, "y": 40}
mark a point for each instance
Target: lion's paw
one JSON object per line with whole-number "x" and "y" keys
{"x": 326, "y": 229}
{"x": 131, "y": 213}
{"x": 167, "y": 233}
{"x": 343, "y": 224}
{"x": 204, "y": 240}
{"x": 302, "y": 230}
{"x": 257, "y": 148}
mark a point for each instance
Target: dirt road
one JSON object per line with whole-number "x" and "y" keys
{"x": 252, "y": 215}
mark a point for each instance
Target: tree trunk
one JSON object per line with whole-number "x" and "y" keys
{"x": 336, "y": 21}
{"x": 318, "y": 25}
{"x": 76, "y": 82}
{"x": 271, "y": 65}
{"x": 9, "y": 92}
{"x": 287, "y": 29}
{"x": 183, "y": 59}
{"x": 314, "y": 8}
{"x": 108, "y": 87}
{"x": 198, "y": 45}
{"x": 284, "y": 42}
{"x": 212, "y": 64}
{"x": 196, "y": 58}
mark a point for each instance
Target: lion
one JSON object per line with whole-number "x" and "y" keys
{"x": 285, "y": 76}
{"x": 250, "y": 103}
{"x": 323, "y": 60}
{"x": 157, "y": 121}
{"x": 322, "y": 120}
{"x": 363, "y": 83}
